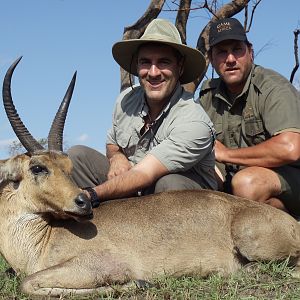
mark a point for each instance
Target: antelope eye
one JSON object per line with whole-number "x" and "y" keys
{"x": 36, "y": 170}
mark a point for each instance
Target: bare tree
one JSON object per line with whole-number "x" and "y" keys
{"x": 183, "y": 8}
{"x": 16, "y": 146}
{"x": 216, "y": 10}
{"x": 136, "y": 30}
{"x": 296, "y": 33}
{"x": 182, "y": 18}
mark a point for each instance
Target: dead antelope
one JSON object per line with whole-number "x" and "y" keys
{"x": 175, "y": 233}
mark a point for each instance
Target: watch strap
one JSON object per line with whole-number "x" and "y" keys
{"x": 95, "y": 200}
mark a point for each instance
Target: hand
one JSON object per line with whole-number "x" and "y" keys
{"x": 220, "y": 152}
{"x": 119, "y": 164}
{"x": 86, "y": 193}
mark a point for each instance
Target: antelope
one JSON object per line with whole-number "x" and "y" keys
{"x": 49, "y": 231}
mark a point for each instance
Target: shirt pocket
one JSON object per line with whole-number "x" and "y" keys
{"x": 254, "y": 131}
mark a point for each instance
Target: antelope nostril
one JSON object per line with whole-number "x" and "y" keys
{"x": 81, "y": 200}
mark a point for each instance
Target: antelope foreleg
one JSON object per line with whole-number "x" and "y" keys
{"x": 84, "y": 275}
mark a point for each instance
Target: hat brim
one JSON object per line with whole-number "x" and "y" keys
{"x": 194, "y": 61}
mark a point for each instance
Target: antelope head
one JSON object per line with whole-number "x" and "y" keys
{"x": 39, "y": 182}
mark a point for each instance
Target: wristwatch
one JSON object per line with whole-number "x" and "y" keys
{"x": 95, "y": 200}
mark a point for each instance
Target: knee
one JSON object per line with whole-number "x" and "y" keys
{"x": 163, "y": 184}
{"x": 77, "y": 150}
{"x": 245, "y": 185}
{"x": 173, "y": 182}
{"x": 80, "y": 153}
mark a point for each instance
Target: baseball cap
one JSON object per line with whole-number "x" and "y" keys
{"x": 226, "y": 29}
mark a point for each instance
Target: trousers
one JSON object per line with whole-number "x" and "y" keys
{"x": 90, "y": 169}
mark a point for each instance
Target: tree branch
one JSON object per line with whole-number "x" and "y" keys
{"x": 182, "y": 18}
{"x": 252, "y": 15}
{"x": 136, "y": 30}
{"x": 296, "y": 33}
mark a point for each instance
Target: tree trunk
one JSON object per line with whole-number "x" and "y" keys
{"x": 135, "y": 31}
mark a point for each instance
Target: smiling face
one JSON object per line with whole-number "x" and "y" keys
{"x": 232, "y": 60}
{"x": 159, "y": 68}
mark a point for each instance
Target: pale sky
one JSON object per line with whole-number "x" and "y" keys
{"x": 58, "y": 37}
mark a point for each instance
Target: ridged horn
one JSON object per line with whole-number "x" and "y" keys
{"x": 24, "y": 136}
{"x": 55, "y": 137}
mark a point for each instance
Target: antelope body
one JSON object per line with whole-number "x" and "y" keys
{"x": 175, "y": 233}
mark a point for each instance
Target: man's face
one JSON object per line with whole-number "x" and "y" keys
{"x": 232, "y": 60}
{"x": 158, "y": 71}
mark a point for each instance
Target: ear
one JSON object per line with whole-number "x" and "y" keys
{"x": 181, "y": 66}
{"x": 251, "y": 51}
{"x": 209, "y": 55}
{"x": 181, "y": 71}
{"x": 10, "y": 170}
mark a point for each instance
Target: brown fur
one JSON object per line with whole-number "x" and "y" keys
{"x": 175, "y": 233}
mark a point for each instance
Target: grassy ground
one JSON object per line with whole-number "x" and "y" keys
{"x": 256, "y": 281}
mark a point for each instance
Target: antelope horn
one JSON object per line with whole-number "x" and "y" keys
{"x": 24, "y": 136}
{"x": 55, "y": 137}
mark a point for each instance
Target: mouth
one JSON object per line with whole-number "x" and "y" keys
{"x": 231, "y": 70}
{"x": 155, "y": 84}
{"x": 80, "y": 217}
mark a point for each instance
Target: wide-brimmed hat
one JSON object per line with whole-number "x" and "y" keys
{"x": 160, "y": 31}
{"x": 226, "y": 29}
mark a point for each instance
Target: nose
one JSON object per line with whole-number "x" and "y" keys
{"x": 230, "y": 58}
{"x": 154, "y": 70}
{"x": 83, "y": 202}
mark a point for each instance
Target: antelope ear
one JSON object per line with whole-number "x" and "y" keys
{"x": 10, "y": 170}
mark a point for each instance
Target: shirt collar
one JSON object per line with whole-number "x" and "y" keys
{"x": 176, "y": 96}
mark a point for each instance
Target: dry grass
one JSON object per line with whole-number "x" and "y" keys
{"x": 255, "y": 281}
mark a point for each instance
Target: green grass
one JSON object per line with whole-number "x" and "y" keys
{"x": 255, "y": 281}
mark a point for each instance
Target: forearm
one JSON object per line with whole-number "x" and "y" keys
{"x": 277, "y": 151}
{"x": 124, "y": 185}
{"x": 252, "y": 156}
{"x": 137, "y": 178}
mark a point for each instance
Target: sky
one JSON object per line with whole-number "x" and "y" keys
{"x": 58, "y": 37}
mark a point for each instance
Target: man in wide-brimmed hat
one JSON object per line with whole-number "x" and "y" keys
{"x": 256, "y": 114}
{"x": 160, "y": 138}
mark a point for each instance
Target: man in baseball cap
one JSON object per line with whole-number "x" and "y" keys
{"x": 160, "y": 138}
{"x": 256, "y": 115}
{"x": 226, "y": 29}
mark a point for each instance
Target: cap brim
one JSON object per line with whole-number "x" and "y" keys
{"x": 194, "y": 62}
{"x": 228, "y": 37}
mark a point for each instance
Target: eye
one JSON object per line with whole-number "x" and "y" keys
{"x": 164, "y": 62}
{"x": 237, "y": 49}
{"x": 143, "y": 63}
{"x": 37, "y": 170}
{"x": 221, "y": 52}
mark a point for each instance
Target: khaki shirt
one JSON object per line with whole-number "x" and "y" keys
{"x": 268, "y": 105}
{"x": 181, "y": 138}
